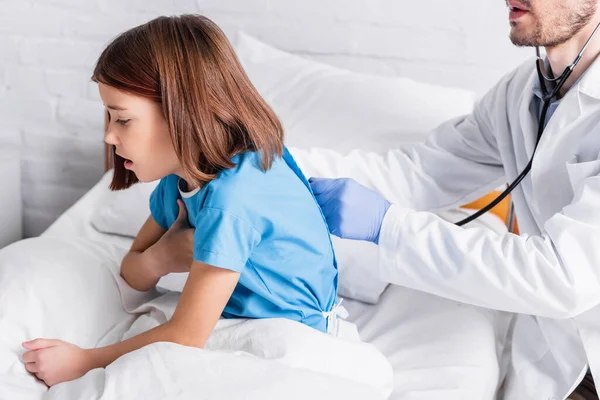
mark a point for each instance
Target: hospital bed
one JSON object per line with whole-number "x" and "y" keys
{"x": 63, "y": 285}
{"x": 404, "y": 325}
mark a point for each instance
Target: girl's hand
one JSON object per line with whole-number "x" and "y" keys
{"x": 55, "y": 361}
{"x": 175, "y": 249}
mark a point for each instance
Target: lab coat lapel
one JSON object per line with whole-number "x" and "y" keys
{"x": 528, "y": 123}
{"x": 589, "y": 83}
{"x": 560, "y": 142}
{"x": 549, "y": 176}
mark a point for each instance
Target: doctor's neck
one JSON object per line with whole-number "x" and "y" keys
{"x": 561, "y": 56}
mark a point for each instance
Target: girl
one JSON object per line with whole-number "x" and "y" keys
{"x": 181, "y": 109}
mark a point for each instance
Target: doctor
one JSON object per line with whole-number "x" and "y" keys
{"x": 550, "y": 274}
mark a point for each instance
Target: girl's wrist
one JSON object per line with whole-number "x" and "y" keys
{"x": 93, "y": 359}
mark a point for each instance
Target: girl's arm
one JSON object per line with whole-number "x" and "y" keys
{"x": 141, "y": 267}
{"x": 202, "y": 301}
{"x": 156, "y": 252}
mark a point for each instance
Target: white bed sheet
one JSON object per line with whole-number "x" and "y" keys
{"x": 438, "y": 348}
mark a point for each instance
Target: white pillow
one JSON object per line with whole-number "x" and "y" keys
{"x": 328, "y": 107}
{"x": 123, "y": 212}
{"x": 56, "y": 287}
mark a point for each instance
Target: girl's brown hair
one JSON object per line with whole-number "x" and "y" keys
{"x": 187, "y": 65}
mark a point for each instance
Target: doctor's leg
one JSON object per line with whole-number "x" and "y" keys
{"x": 439, "y": 349}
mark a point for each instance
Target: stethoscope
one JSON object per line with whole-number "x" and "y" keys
{"x": 547, "y": 97}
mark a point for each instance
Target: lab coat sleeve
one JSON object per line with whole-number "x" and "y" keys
{"x": 458, "y": 163}
{"x": 554, "y": 275}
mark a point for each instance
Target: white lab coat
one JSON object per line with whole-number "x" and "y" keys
{"x": 550, "y": 274}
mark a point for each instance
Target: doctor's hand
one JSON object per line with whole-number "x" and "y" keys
{"x": 352, "y": 210}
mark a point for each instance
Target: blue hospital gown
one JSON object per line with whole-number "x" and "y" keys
{"x": 268, "y": 227}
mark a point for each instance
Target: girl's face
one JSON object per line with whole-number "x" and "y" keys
{"x": 140, "y": 134}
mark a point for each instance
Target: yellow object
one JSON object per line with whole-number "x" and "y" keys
{"x": 501, "y": 210}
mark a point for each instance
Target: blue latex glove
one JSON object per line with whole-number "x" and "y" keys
{"x": 352, "y": 211}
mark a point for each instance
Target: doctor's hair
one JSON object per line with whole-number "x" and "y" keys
{"x": 187, "y": 66}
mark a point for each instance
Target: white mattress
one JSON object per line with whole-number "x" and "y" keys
{"x": 438, "y": 348}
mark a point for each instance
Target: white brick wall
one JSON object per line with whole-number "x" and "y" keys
{"x": 52, "y": 112}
